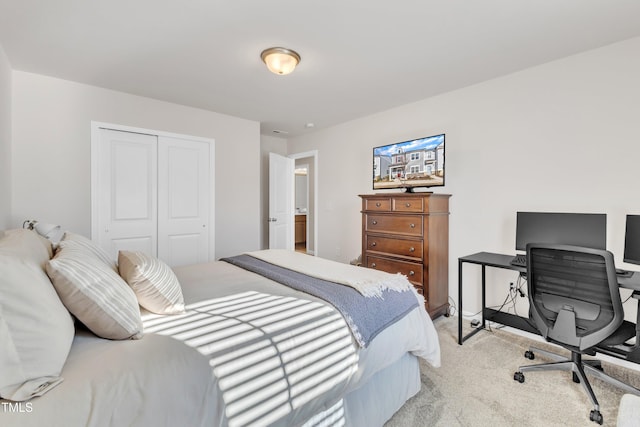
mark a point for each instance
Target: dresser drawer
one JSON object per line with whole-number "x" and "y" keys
{"x": 409, "y": 225}
{"x": 394, "y": 246}
{"x": 412, "y": 270}
{"x": 380, "y": 205}
{"x": 407, "y": 204}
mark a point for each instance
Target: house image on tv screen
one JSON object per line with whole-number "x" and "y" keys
{"x": 415, "y": 163}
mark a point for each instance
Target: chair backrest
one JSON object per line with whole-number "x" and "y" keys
{"x": 573, "y": 294}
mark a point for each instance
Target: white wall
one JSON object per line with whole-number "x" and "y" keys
{"x": 51, "y": 154}
{"x": 564, "y": 136}
{"x": 5, "y": 141}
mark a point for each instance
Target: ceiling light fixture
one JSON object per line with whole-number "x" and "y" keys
{"x": 280, "y": 60}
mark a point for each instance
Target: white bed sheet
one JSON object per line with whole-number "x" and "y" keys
{"x": 155, "y": 381}
{"x": 414, "y": 334}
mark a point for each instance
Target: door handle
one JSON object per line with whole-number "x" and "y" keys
{"x": 272, "y": 220}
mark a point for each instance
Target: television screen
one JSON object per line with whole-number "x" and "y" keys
{"x": 409, "y": 164}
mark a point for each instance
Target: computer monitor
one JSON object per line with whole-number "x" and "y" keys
{"x": 577, "y": 229}
{"x": 632, "y": 240}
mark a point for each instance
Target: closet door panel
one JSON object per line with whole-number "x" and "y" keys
{"x": 144, "y": 244}
{"x": 182, "y": 249}
{"x": 183, "y": 201}
{"x": 127, "y": 183}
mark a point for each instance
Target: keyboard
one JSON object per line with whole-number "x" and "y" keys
{"x": 519, "y": 261}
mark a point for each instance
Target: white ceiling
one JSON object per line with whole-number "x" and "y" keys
{"x": 358, "y": 56}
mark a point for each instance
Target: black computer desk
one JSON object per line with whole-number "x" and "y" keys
{"x": 489, "y": 259}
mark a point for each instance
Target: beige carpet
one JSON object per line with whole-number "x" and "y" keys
{"x": 475, "y": 387}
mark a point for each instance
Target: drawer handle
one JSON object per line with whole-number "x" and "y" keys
{"x": 412, "y": 273}
{"x": 408, "y": 205}
{"x": 374, "y": 243}
{"x": 412, "y": 225}
{"x": 412, "y": 249}
{"x": 373, "y": 265}
{"x": 378, "y": 204}
{"x": 374, "y": 222}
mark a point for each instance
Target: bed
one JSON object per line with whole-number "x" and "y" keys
{"x": 246, "y": 350}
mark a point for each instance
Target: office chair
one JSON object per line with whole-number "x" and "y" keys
{"x": 575, "y": 302}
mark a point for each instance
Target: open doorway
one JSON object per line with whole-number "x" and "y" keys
{"x": 301, "y": 206}
{"x": 305, "y": 202}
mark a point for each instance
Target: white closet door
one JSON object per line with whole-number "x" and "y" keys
{"x": 183, "y": 201}
{"x": 127, "y": 192}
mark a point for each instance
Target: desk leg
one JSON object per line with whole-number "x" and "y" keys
{"x": 634, "y": 353}
{"x": 459, "y": 302}
{"x": 462, "y": 339}
{"x": 484, "y": 293}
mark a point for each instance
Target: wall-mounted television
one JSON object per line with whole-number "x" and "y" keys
{"x": 409, "y": 164}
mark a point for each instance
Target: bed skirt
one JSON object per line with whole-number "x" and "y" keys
{"x": 390, "y": 388}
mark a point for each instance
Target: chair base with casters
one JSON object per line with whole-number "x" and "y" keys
{"x": 579, "y": 368}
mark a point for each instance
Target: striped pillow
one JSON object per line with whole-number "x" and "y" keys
{"x": 89, "y": 246}
{"x": 153, "y": 282}
{"x": 95, "y": 294}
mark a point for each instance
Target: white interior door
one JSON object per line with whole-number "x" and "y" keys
{"x": 127, "y": 192}
{"x": 183, "y": 201}
{"x": 281, "y": 202}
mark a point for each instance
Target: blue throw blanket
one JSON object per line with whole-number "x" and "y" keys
{"x": 366, "y": 317}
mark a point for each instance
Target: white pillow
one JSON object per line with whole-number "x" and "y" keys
{"x": 153, "y": 282}
{"x": 36, "y": 330}
{"x": 89, "y": 246}
{"x": 95, "y": 294}
{"x": 26, "y": 244}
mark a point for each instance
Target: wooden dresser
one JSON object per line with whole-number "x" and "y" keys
{"x": 408, "y": 233}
